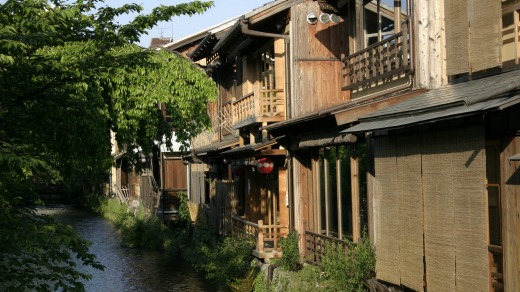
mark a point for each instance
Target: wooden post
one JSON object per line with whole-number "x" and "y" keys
{"x": 338, "y": 191}
{"x": 232, "y": 112}
{"x": 260, "y": 240}
{"x": 356, "y": 208}
{"x": 327, "y": 197}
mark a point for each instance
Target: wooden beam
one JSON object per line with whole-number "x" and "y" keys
{"x": 273, "y": 152}
{"x": 356, "y": 207}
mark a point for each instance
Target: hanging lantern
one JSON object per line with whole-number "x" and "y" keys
{"x": 265, "y": 165}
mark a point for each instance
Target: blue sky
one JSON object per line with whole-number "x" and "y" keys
{"x": 183, "y": 26}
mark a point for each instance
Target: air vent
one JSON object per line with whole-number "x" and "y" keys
{"x": 324, "y": 18}
{"x": 312, "y": 18}
{"x": 334, "y": 18}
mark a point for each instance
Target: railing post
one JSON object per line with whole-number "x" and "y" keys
{"x": 260, "y": 240}
{"x": 232, "y": 111}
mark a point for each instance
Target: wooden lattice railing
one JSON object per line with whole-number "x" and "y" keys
{"x": 315, "y": 246}
{"x": 385, "y": 60}
{"x": 265, "y": 237}
{"x": 253, "y": 106}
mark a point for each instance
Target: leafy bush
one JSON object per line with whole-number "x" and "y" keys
{"x": 290, "y": 253}
{"x": 228, "y": 261}
{"x": 349, "y": 269}
{"x": 260, "y": 282}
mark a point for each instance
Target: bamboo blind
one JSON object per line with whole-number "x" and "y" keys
{"x": 455, "y": 210}
{"x": 473, "y": 35}
{"x": 432, "y": 184}
{"x": 486, "y": 32}
{"x": 410, "y": 211}
{"x": 387, "y": 226}
{"x": 457, "y": 36}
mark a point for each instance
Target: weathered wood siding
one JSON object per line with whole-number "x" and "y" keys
{"x": 197, "y": 184}
{"x": 175, "y": 175}
{"x": 430, "y": 209}
{"x": 510, "y": 172}
{"x": 302, "y": 192}
{"x": 316, "y": 61}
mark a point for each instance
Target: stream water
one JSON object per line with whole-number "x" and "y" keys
{"x": 127, "y": 269}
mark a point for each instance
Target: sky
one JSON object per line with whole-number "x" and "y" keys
{"x": 182, "y": 26}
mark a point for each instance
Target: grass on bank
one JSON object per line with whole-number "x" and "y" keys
{"x": 224, "y": 260}
{"x": 228, "y": 261}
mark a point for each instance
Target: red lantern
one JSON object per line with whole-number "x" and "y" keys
{"x": 265, "y": 165}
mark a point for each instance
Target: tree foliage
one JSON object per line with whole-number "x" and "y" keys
{"x": 70, "y": 74}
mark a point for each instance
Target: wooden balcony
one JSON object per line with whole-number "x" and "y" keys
{"x": 266, "y": 237}
{"x": 379, "y": 63}
{"x": 255, "y": 107}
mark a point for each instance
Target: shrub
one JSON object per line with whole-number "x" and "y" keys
{"x": 349, "y": 269}
{"x": 230, "y": 260}
{"x": 290, "y": 253}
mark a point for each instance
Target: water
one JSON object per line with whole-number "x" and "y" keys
{"x": 127, "y": 269}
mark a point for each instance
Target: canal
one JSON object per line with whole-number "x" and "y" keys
{"x": 126, "y": 269}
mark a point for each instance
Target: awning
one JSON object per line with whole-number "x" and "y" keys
{"x": 214, "y": 147}
{"x": 452, "y": 101}
{"x": 515, "y": 157}
{"x": 320, "y": 140}
{"x": 429, "y": 117}
{"x": 252, "y": 147}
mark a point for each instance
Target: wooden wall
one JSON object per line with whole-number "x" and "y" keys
{"x": 302, "y": 192}
{"x": 316, "y": 50}
{"x": 510, "y": 172}
{"x": 175, "y": 175}
{"x": 197, "y": 184}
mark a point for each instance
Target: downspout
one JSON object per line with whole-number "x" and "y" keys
{"x": 244, "y": 26}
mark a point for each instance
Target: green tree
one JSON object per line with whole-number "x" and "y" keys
{"x": 70, "y": 74}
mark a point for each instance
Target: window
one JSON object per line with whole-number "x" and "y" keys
{"x": 510, "y": 32}
{"x": 334, "y": 177}
{"x": 382, "y": 17}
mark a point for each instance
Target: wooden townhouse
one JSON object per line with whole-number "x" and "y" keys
{"x": 399, "y": 118}
{"x": 444, "y": 198}
{"x": 293, "y": 75}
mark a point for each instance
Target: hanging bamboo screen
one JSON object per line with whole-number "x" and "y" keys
{"x": 432, "y": 184}
{"x": 456, "y": 208}
{"x": 439, "y": 212}
{"x": 473, "y": 32}
{"x": 410, "y": 211}
{"x": 387, "y": 226}
{"x": 486, "y": 33}
{"x": 457, "y": 37}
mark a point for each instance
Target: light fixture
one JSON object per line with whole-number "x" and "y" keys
{"x": 312, "y": 18}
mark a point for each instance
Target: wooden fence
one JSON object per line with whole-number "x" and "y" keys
{"x": 315, "y": 246}
{"x": 266, "y": 237}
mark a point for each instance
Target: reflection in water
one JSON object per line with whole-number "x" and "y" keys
{"x": 126, "y": 269}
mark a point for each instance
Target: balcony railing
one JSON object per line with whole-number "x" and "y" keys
{"x": 381, "y": 62}
{"x": 266, "y": 237}
{"x": 260, "y": 106}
